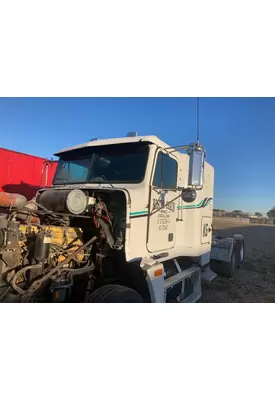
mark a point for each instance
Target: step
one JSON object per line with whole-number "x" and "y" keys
{"x": 192, "y": 298}
{"x": 180, "y": 277}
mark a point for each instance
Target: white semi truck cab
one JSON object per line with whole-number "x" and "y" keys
{"x": 150, "y": 208}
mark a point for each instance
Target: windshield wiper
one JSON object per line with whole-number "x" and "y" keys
{"x": 63, "y": 180}
{"x": 101, "y": 180}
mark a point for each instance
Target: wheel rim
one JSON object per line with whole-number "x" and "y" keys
{"x": 242, "y": 253}
{"x": 233, "y": 261}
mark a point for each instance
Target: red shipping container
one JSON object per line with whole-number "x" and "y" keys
{"x": 23, "y": 173}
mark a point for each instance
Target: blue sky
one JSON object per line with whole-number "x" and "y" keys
{"x": 238, "y": 133}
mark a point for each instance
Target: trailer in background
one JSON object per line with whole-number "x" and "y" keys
{"x": 262, "y": 221}
{"x": 23, "y": 173}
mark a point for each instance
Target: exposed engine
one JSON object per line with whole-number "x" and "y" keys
{"x": 51, "y": 248}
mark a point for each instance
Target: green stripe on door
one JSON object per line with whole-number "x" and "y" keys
{"x": 187, "y": 207}
{"x": 133, "y": 214}
{"x": 199, "y": 205}
{"x": 191, "y": 206}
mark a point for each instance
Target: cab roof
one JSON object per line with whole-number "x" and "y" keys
{"x": 102, "y": 142}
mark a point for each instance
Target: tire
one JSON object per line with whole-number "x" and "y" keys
{"x": 115, "y": 294}
{"x": 239, "y": 250}
{"x": 225, "y": 269}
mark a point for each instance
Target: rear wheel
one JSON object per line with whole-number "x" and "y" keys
{"x": 115, "y": 294}
{"x": 239, "y": 249}
{"x": 228, "y": 269}
{"x": 223, "y": 268}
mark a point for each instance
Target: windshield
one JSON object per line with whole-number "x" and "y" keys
{"x": 109, "y": 163}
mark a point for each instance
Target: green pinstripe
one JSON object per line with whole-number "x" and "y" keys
{"x": 191, "y": 206}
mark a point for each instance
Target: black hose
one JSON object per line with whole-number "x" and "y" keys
{"x": 55, "y": 214}
{"x": 37, "y": 284}
{"x": 4, "y": 293}
{"x": 3, "y": 286}
{"x": 79, "y": 271}
{"x": 20, "y": 272}
{"x": 44, "y": 208}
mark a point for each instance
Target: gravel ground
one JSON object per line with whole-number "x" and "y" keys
{"x": 255, "y": 281}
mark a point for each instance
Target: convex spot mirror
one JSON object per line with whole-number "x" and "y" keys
{"x": 188, "y": 195}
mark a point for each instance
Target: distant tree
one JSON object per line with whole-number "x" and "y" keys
{"x": 258, "y": 214}
{"x": 271, "y": 213}
{"x": 237, "y": 211}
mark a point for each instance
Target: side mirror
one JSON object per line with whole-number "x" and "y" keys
{"x": 196, "y": 166}
{"x": 188, "y": 195}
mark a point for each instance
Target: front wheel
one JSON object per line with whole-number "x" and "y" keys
{"x": 115, "y": 294}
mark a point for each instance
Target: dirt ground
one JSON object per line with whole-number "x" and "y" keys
{"x": 255, "y": 281}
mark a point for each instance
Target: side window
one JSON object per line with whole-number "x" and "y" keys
{"x": 165, "y": 176}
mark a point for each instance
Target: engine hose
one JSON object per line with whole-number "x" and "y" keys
{"x": 20, "y": 272}
{"x": 44, "y": 208}
{"x": 57, "y": 214}
{"x": 26, "y": 212}
{"x": 4, "y": 293}
{"x": 62, "y": 253}
{"x": 70, "y": 246}
{"x": 37, "y": 284}
{"x": 79, "y": 271}
{"x": 3, "y": 286}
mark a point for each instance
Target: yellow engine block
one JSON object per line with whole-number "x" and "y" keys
{"x": 61, "y": 236}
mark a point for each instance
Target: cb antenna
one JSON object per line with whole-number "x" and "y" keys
{"x": 198, "y": 126}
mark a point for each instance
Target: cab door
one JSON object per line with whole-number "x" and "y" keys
{"x": 162, "y": 209}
